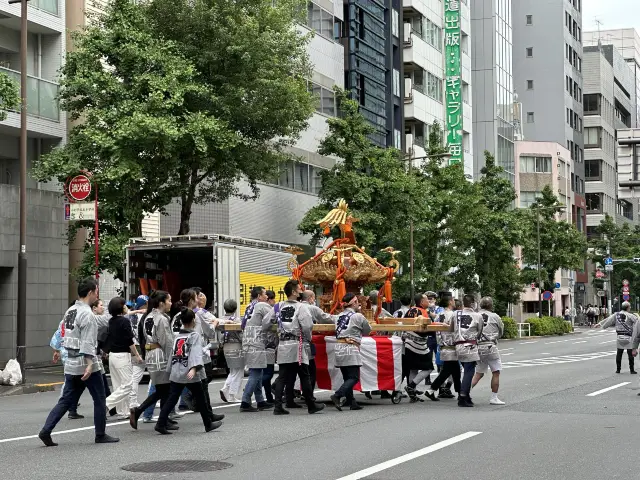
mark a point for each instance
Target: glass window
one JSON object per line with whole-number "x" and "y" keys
{"x": 397, "y": 139}
{"x": 528, "y": 198}
{"x": 591, "y": 104}
{"x": 314, "y": 16}
{"x": 286, "y": 175}
{"x": 328, "y": 103}
{"x": 529, "y": 19}
{"x": 594, "y": 202}
{"x": 433, "y": 35}
{"x": 396, "y": 82}
{"x": 529, "y": 52}
{"x": 593, "y": 137}
{"x": 395, "y": 23}
{"x": 529, "y": 84}
{"x": 530, "y": 117}
{"x": 315, "y": 179}
{"x": 593, "y": 170}
{"x": 434, "y": 87}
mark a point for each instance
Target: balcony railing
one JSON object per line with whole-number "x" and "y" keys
{"x": 41, "y": 96}
{"x": 50, "y": 6}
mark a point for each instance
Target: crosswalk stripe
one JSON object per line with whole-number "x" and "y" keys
{"x": 536, "y": 362}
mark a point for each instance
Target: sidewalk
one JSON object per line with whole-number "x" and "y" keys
{"x": 44, "y": 379}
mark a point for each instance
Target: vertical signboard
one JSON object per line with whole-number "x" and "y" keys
{"x": 453, "y": 80}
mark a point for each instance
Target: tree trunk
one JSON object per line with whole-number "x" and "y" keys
{"x": 187, "y": 203}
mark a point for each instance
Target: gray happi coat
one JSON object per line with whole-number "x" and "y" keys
{"x": 255, "y": 355}
{"x": 232, "y": 344}
{"x": 320, "y": 316}
{"x": 347, "y": 354}
{"x": 80, "y": 339}
{"x": 186, "y": 353}
{"x": 294, "y": 332}
{"x": 492, "y": 330}
{"x": 207, "y": 333}
{"x": 157, "y": 329}
{"x": 446, "y": 340}
{"x": 467, "y": 329}
{"x": 624, "y": 322}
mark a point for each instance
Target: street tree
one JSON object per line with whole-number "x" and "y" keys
{"x": 130, "y": 93}
{"x": 9, "y": 95}
{"x": 252, "y": 63}
{"x": 374, "y": 182}
{"x": 561, "y": 244}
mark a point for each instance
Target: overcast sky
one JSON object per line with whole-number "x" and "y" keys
{"x": 612, "y": 14}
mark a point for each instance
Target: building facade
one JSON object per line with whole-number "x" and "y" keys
{"x": 424, "y": 44}
{"x": 541, "y": 164}
{"x": 492, "y": 84}
{"x": 47, "y": 253}
{"x": 548, "y": 69}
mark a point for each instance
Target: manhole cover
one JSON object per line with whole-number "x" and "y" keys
{"x": 177, "y": 466}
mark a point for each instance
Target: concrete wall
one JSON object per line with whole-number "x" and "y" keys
{"x": 47, "y": 274}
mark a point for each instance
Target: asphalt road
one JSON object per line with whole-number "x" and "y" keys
{"x": 563, "y": 420}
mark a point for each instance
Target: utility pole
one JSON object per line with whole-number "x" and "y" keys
{"x": 21, "y": 330}
{"x": 539, "y": 275}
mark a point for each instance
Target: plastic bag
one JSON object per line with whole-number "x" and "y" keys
{"x": 11, "y": 375}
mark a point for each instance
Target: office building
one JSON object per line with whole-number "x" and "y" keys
{"x": 492, "y": 84}
{"x": 547, "y": 71}
{"x": 541, "y": 164}
{"x": 47, "y": 253}
{"x": 425, "y": 41}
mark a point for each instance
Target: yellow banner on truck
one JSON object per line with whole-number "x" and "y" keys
{"x": 248, "y": 280}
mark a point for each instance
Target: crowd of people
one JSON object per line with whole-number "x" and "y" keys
{"x": 173, "y": 343}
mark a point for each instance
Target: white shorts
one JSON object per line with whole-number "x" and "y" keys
{"x": 483, "y": 365}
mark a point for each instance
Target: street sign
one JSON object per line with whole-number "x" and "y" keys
{"x": 599, "y": 274}
{"x": 533, "y": 286}
{"x": 80, "y": 211}
{"x": 601, "y": 293}
{"x": 625, "y": 288}
{"x": 608, "y": 268}
{"x": 557, "y": 285}
{"x": 625, "y": 297}
{"x": 79, "y": 187}
{"x": 547, "y": 295}
{"x": 625, "y": 282}
{"x": 608, "y": 261}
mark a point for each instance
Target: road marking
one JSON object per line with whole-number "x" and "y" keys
{"x": 604, "y": 390}
{"x": 409, "y": 456}
{"x": 505, "y": 354}
{"x": 608, "y": 341}
{"x": 505, "y": 349}
{"x": 123, "y": 422}
{"x": 537, "y": 362}
{"x": 581, "y": 341}
{"x": 557, "y": 341}
{"x": 545, "y": 353}
{"x": 528, "y": 343}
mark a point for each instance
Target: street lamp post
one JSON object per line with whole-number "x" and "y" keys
{"x": 411, "y": 159}
{"x": 21, "y": 324}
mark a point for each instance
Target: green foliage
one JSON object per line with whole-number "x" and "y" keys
{"x": 373, "y": 181}
{"x": 623, "y": 241}
{"x": 561, "y": 245}
{"x": 510, "y": 328}
{"x": 549, "y": 326}
{"x": 9, "y": 95}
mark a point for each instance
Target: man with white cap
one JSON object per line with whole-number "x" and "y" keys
{"x": 625, "y": 323}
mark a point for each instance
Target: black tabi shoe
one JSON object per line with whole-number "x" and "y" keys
{"x": 212, "y": 426}
{"x": 264, "y": 406}
{"x": 278, "y": 410}
{"x": 106, "y": 439}
{"x": 317, "y": 407}
{"x": 293, "y": 405}
{"x": 617, "y": 371}
{"x": 432, "y": 397}
{"x": 355, "y": 406}
{"x": 75, "y": 416}
{"x": 633, "y": 372}
{"x": 384, "y": 394}
{"x": 470, "y": 400}
{"x": 134, "y": 416}
{"x": 223, "y": 397}
{"x": 247, "y": 407}
{"x": 113, "y": 412}
{"x": 445, "y": 393}
{"x": 368, "y": 395}
{"x": 464, "y": 402}
{"x": 162, "y": 430}
{"x": 336, "y": 402}
{"x": 216, "y": 417}
{"x": 46, "y": 439}
{"x": 410, "y": 391}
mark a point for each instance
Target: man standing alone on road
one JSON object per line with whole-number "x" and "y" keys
{"x": 624, "y": 322}
{"x": 81, "y": 367}
{"x": 492, "y": 330}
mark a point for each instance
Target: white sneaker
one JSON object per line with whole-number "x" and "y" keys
{"x": 496, "y": 401}
{"x": 232, "y": 399}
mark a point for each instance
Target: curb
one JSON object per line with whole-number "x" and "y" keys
{"x": 535, "y": 337}
{"x": 25, "y": 390}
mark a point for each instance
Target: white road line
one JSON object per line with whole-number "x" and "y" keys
{"x": 608, "y": 341}
{"x": 505, "y": 349}
{"x": 545, "y": 353}
{"x": 505, "y": 354}
{"x": 604, "y": 390}
{"x": 581, "y": 341}
{"x": 124, "y": 422}
{"x": 409, "y": 456}
{"x": 528, "y": 343}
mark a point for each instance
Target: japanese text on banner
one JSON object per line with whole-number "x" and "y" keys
{"x": 453, "y": 81}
